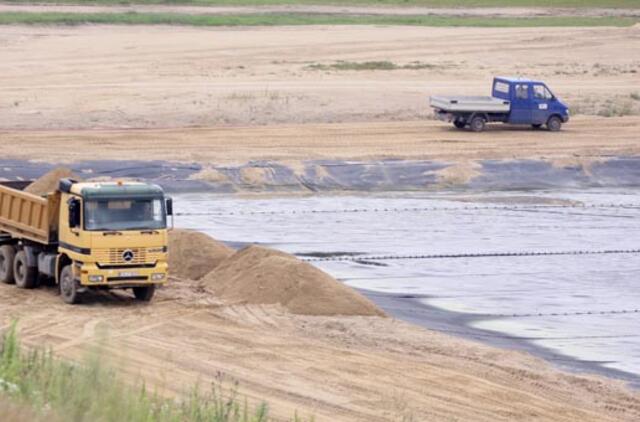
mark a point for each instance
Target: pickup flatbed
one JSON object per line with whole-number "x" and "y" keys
{"x": 470, "y": 104}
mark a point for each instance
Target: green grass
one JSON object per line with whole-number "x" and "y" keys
{"x": 60, "y": 18}
{"x": 401, "y": 3}
{"x": 58, "y": 390}
{"x": 372, "y": 65}
{"x": 616, "y": 108}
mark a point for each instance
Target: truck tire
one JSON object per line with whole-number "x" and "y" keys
{"x": 477, "y": 124}
{"x": 7, "y": 256}
{"x": 26, "y": 277}
{"x": 144, "y": 294}
{"x": 554, "y": 123}
{"x": 460, "y": 124}
{"x": 68, "y": 286}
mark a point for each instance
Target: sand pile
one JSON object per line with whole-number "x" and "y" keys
{"x": 193, "y": 254}
{"x": 49, "y": 181}
{"x": 259, "y": 275}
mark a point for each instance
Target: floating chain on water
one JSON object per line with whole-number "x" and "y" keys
{"x": 556, "y": 314}
{"x": 414, "y": 209}
{"x": 471, "y": 255}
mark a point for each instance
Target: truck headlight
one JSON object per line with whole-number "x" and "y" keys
{"x": 157, "y": 276}
{"x": 96, "y": 278}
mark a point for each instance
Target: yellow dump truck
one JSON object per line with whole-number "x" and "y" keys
{"x": 85, "y": 236}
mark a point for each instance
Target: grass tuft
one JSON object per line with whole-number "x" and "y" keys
{"x": 614, "y": 106}
{"x": 371, "y": 65}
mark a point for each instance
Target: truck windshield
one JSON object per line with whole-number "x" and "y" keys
{"x": 124, "y": 214}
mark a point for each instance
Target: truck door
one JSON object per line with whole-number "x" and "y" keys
{"x": 541, "y": 104}
{"x": 520, "y": 104}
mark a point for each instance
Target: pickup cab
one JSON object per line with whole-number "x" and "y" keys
{"x": 513, "y": 100}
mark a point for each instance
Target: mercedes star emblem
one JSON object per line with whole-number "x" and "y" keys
{"x": 127, "y": 255}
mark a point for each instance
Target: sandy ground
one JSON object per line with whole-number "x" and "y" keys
{"x": 150, "y": 77}
{"x": 347, "y": 369}
{"x": 206, "y": 89}
{"x": 326, "y": 9}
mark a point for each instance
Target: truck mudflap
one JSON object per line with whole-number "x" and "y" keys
{"x": 93, "y": 276}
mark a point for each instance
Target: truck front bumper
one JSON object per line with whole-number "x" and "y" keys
{"x": 90, "y": 275}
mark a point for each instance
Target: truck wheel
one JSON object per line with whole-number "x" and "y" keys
{"x": 25, "y": 276}
{"x": 144, "y": 294}
{"x": 477, "y": 124}
{"x": 68, "y": 286}
{"x": 7, "y": 255}
{"x": 554, "y": 123}
{"x": 460, "y": 124}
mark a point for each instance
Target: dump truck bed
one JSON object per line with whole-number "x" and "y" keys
{"x": 470, "y": 104}
{"x": 27, "y": 216}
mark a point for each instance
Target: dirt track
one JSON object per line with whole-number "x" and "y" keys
{"x": 585, "y": 139}
{"x": 365, "y": 369}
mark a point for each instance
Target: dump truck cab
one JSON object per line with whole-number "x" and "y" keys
{"x": 85, "y": 236}
{"x": 112, "y": 235}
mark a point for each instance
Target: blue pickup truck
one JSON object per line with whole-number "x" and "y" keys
{"x": 513, "y": 100}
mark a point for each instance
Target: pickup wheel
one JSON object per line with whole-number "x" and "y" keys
{"x": 7, "y": 256}
{"x": 460, "y": 124}
{"x": 477, "y": 124}
{"x": 554, "y": 123}
{"x": 144, "y": 294}
{"x": 68, "y": 286}
{"x": 26, "y": 277}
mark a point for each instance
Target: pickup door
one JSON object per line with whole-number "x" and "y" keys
{"x": 520, "y": 104}
{"x": 542, "y": 98}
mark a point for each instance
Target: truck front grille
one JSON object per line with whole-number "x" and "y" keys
{"x": 125, "y": 256}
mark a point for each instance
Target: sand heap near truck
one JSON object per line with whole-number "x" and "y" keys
{"x": 49, "y": 181}
{"x": 257, "y": 275}
{"x": 193, "y": 254}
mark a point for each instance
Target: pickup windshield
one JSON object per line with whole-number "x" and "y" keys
{"x": 124, "y": 214}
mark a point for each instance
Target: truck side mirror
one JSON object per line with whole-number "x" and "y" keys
{"x": 170, "y": 210}
{"x": 74, "y": 213}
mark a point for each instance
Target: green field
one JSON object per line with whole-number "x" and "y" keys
{"x": 61, "y": 18}
{"x": 425, "y": 3}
